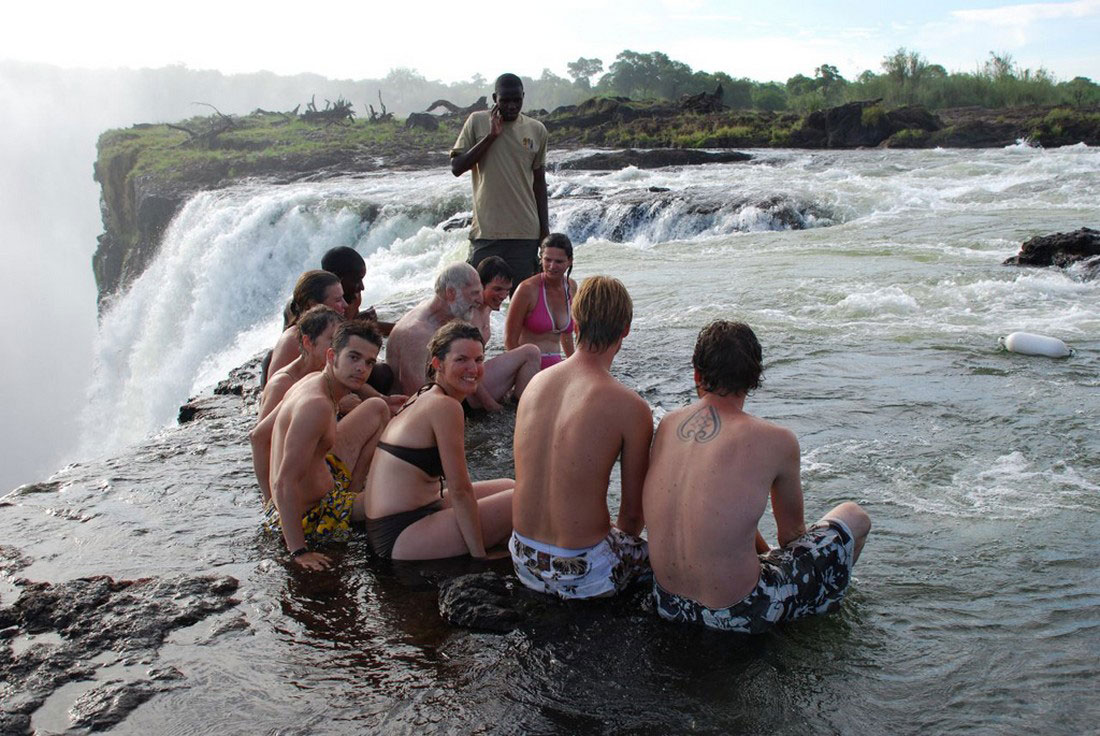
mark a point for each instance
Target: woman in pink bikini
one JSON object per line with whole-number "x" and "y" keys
{"x": 540, "y": 312}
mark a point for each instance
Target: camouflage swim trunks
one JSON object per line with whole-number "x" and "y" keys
{"x": 330, "y": 519}
{"x": 806, "y": 577}
{"x": 593, "y": 572}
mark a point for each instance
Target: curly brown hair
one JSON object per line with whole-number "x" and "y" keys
{"x": 728, "y": 358}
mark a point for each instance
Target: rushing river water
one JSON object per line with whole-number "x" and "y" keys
{"x": 874, "y": 283}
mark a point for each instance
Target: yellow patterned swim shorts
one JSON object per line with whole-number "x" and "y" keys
{"x": 330, "y": 519}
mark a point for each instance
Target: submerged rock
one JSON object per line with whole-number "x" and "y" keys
{"x": 108, "y": 704}
{"x": 489, "y": 601}
{"x": 1061, "y": 250}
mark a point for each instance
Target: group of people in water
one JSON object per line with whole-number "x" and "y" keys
{"x": 344, "y": 438}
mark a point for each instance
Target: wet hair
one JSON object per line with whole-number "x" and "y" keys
{"x": 493, "y": 267}
{"x": 348, "y": 329}
{"x": 455, "y": 276}
{"x": 507, "y": 81}
{"x": 445, "y": 337}
{"x": 343, "y": 261}
{"x": 310, "y": 290}
{"x": 562, "y": 242}
{"x": 602, "y": 310}
{"x": 315, "y": 321}
{"x": 728, "y": 358}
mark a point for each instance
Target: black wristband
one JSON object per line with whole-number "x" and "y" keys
{"x": 299, "y": 552}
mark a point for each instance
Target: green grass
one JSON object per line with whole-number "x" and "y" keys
{"x": 261, "y": 141}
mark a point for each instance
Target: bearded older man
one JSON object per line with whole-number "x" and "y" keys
{"x": 457, "y": 296}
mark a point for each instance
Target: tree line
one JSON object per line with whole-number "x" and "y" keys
{"x": 905, "y": 77}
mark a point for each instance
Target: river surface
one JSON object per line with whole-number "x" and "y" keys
{"x": 874, "y": 282}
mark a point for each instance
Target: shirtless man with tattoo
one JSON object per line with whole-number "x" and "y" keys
{"x": 713, "y": 469}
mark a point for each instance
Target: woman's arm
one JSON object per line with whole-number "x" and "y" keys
{"x": 448, "y": 425}
{"x": 521, "y": 306}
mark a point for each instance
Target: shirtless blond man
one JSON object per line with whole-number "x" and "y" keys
{"x": 318, "y": 467}
{"x": 712, "y": 470}
{"x": 574, "y": 422}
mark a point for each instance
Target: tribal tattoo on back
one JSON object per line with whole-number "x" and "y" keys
{"x": 701, "y": 426}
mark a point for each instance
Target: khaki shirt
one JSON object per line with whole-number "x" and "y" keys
{"x": 504, "y": 201}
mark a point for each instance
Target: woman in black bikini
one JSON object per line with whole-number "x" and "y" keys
{"x": 410, "y": 515}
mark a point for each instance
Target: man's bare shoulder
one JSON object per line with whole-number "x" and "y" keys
{"x": 308, "y": 390}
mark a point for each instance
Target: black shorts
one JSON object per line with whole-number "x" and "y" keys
{"x": 522, "y": 256}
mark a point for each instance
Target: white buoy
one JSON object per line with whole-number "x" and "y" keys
{"x": 1026, "y": 343}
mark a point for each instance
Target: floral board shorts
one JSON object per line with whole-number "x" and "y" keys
{"x": 330, "y": 519}
{"x": 593, "y": 572}
{"x": 806, "y": 577}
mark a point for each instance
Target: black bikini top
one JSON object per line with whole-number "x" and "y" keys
{"x": 425, "y": 458}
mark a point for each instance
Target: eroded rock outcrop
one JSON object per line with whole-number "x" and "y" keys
{"x": 87, "y": 618}
{"x": 865, "y": 123}
{"x": 652, "y": 159}
{"x": 1061, "y": 250}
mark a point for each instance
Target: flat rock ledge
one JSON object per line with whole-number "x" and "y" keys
{"x": 84, "y": 619}
{"x": 1062, "y": 250}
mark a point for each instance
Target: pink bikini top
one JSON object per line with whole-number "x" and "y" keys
{"x": 540, "y": 320}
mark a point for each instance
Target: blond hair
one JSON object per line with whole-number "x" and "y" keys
{"x": 603, "y": 310}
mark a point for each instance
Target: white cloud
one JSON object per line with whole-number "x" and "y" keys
{"x": 1029, "y": 13}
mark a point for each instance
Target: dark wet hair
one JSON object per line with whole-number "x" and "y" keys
{"x": 493, "y": 267}
{"x": 562, "y": 242}
{"x": 445, "y": 337}
{"x": 728, "y": 358}
{"x": 603, "y": 310}
{"x": 343, "y": 261}
{"x": 507, "y": 81}
{"x": 348, "y": 329}
{"x": 315, "y": 321}
{"x": 310, "y": 290}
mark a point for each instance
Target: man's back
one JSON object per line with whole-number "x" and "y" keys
{"x": 571, "y": 425}
{"x": 407, "y": 347}
{"x": 709, "y": 479}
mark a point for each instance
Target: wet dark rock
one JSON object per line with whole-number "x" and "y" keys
{"x": 121, "y": 615}
{"x": 243, "y": 382}
{"x": 652, "y": 159}
{"x": 108, "y": 704}
{"x": 165, "y": 673}
{"x": 1061, "y": 250}
{"x": 864, "y": 123}
{"x": 130, "y": 618}
{"x": 490, "y": 601}
{"x": 485, "y": 601}
{"x": 237, "y": 623}
{"x": 14, "y": 724}
{"x": 49, "y": 486}
{"x": 12, "y": 560}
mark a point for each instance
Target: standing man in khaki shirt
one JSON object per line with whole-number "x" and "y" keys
{"x": 506, "y": 151}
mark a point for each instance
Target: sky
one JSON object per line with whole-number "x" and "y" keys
{"x": 452, "y": 42}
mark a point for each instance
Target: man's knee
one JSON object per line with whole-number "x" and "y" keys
{"x": 853, "y": 515}
{"x": 366, "y": 419}
{"x": 530, "y": 353}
